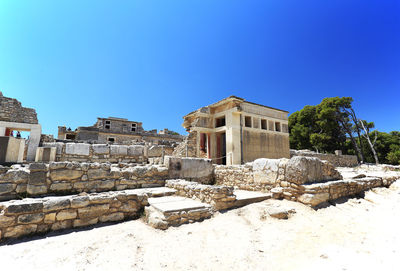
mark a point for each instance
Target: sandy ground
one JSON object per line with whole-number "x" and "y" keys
{"x": 358, "y": 234}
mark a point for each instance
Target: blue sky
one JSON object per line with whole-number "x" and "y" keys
{"x": 155, "y": 61}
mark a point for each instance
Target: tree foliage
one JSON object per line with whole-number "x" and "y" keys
{"x": 333, "y": 125}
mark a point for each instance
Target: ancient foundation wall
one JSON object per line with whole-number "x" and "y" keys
{"x": 72, "y": 177}
{"x": 220, "y": 197}
{"x": 85, "y": 152}
{"x": 336, "y": 160}
{"x": 28, "y": 216}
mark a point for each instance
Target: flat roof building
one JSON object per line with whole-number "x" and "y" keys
{"x": 234, "y": 131}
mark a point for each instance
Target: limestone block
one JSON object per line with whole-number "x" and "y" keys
{"x": 155, "y": 151}
{"x": 6, "y": 221}
{"x": 77, "y": 149}
{"x": 37, "y": 178}
{"x": 20, "y": 230}
{"x": 56, "y": 203}
{"x": 80, "y": 201}
{"x": 57, "y": 165}
{"x": 97, "y": 173}
{"x": 93, "y": 211}
{"x": 85, "y": 222}
{"x": 135, "y": 150}
{"x": 61, "y": 186}
{"x": 66, "y": 214}
{"x": 101, "y": 149}
{"x": 15, "y": 176}
{"x": 119, "y": 150}
{"x": 313, "y": 199}
{"x": 112, "y": 217}
{"x": 59, "y": 146}
{"x": 266, "y": 170}
{"x": 50, "y": 218}
{"x": 33, "y": 167}
{"x": 60, "y": 225}
{"x": 65, "y": 174}
{"x": 30, "y": 218}
{"x": 190, "y": 168}
{"x": 6, "y": 188}
{"x": 104, "y": 184}
{"x": 24, "y": 206}
{"x": 36, "y": 189}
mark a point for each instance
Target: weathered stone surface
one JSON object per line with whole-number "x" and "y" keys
{"x": 56, "y": 203}
{"x": 6, "y": 221}
{"x": 266, "y": 170}
{"x": 85, "y": 222}
{"x": 20, "y": 230}
{"x": 60, "y": 225}
{"x": 6, "y": 188}
{"x": 66, "y": 214}
{"x": 112, "y": 217}
{"x": 24, "y": 206}
{"x": 279, "y": 213}
{"x": 57, "y": 165}
{"x": 155, "y": 151}
{"x": 191, "y": 168}
{"x": 135, "y": 150}
{"x": 300, "y": 170}
{"x": 313, "y": 199}
{"x": 101, "y": 149}
{"x": 80, "y": 201}
{"x": 65, "y": 174}
{"x": 61, "y": 186}
{"x": 77, "y": 148}
{"x": 50, "y": 218}
{"x": 96, "y": 173}
{"x": 119, "y": 150}
{"x": 105, "y": 185}
{"x": 15, "y": 176}
{"x": 37, "y": 167}
{"x": 30, "y": 218}
{"x": 37, "y": 178}
{"x": 93, "y": 211}
{"x": 36, "y": 189}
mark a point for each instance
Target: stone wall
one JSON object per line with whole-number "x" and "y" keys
{"x": 28, "y": 216}
{"x": 85, "y": 152}
{"x": 220, "y": 197}
{"x": 73, "y": 177}
{"x": 11, "y": 110}
{"x": 193, "y": 169}
{"x": 336, "y": 160}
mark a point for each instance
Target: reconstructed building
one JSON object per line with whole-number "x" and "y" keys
{"x": 117, "y": 130}
{"x": 234, "y": 131}
{"x": 13, "y": 118}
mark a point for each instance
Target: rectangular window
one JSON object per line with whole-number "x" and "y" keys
{"x": 247, "y": 121}
{"x": 133, "y": 127}
{"x": 108, "y": 124}
{"x": 111, "y": 139}
{"x": 277, "y": 126}
{"x": 219, "y": 122}
{"x": 264, "y": 124}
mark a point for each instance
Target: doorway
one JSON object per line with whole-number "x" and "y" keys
{"x": 221, "y": 148}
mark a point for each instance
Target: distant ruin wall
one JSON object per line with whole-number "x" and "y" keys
{"x": 11, "y": 110}
{"x": 40, "y": 179}
{"x": 85, "y": 152}
{"x": 336, "y": 160}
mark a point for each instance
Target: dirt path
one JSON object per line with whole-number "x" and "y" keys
{"x": 359, "y": 234}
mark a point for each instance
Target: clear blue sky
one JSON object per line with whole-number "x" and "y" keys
{"x": 155, "y": 61}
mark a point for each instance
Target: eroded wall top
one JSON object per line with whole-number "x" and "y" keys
{"x": 11, "y": 110}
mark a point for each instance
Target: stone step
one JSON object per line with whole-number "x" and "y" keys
{"x": 154, "y": 192}
{"x": 174, "y": 211}
{"x": 244, "y": 197}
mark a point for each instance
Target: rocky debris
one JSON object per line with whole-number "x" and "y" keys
{"x": 192, "y": 169}
{"x": 280, "y": 212}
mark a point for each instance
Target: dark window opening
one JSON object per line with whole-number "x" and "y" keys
{"x": 264, "y": 124}
{"x": 247, "y": 121}
{"x": 219, "y": 122}
{"x": 111, "y": 139}
{"x": 133, "y": 128}
{"x": 70, "y": 136}
{"x": 277, "y": 126}
{"x": 203, "y": 141}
